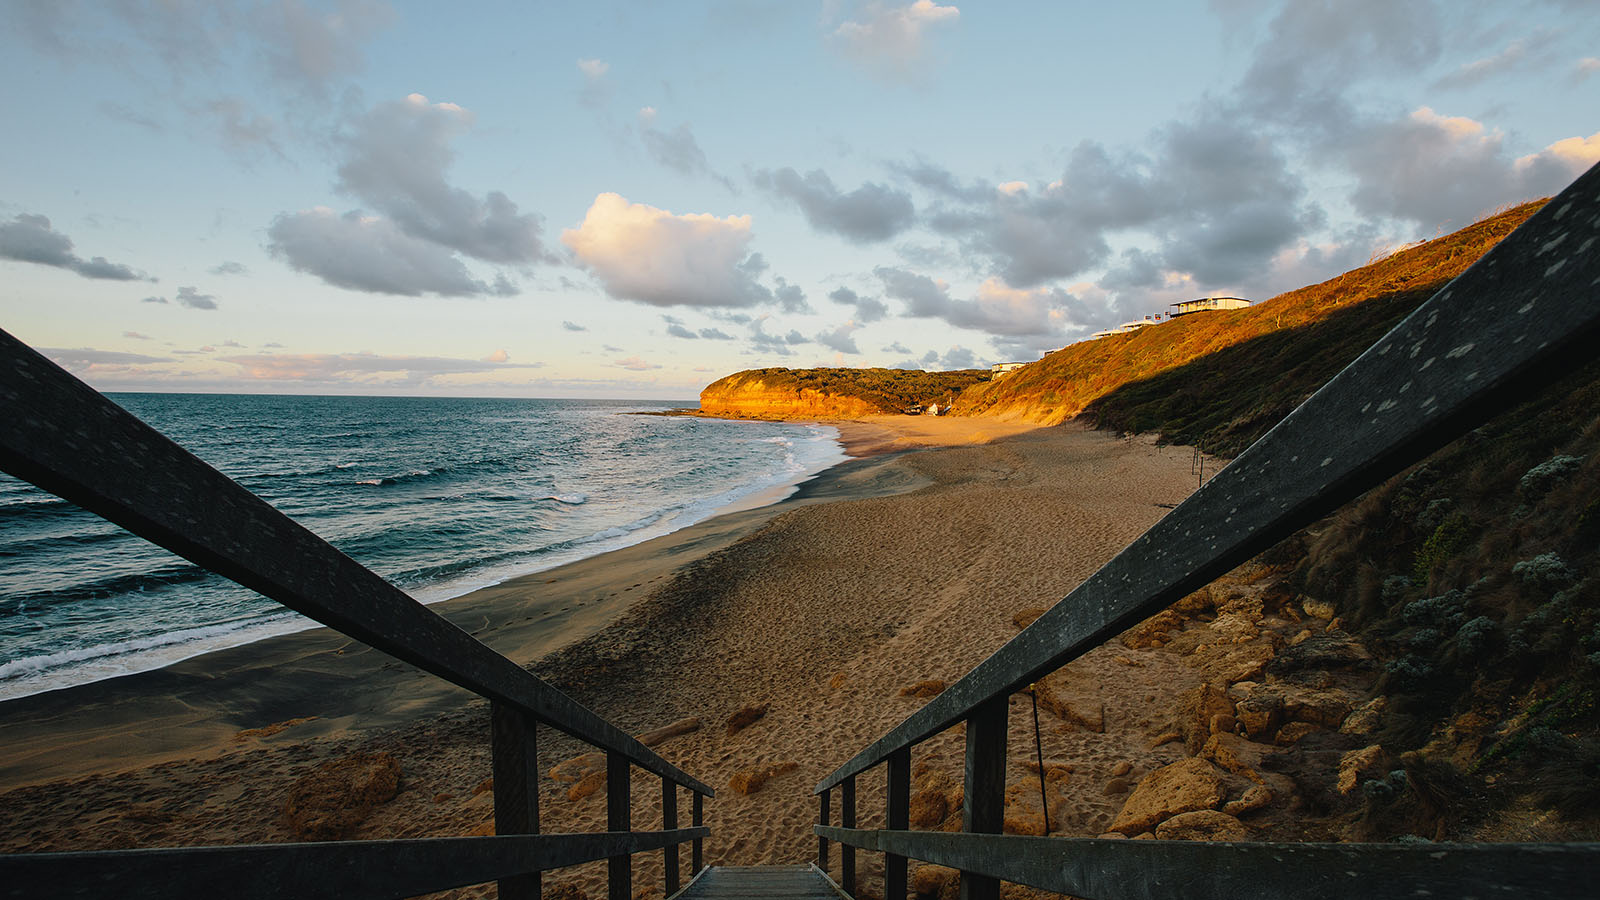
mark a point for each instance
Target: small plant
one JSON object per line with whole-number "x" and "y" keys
{"x": 1474, "y": 637}
{"x": 1443, "y": 611}
{"x": 1541, "y": 479}
{"x": 1547, "y": 571}
{"x": 1443, "y": 544}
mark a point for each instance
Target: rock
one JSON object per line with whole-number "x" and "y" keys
{"x": 933, "y": 687}
{"x": 745, "y": 717}
{"x": 1236, "y": 662}
{"x": 1112, "y": 836}
{"x": 1366, "y": 719}
{"x": 1184, "y": 786}
{"x": 1329, "y": 650}
{"x": 1234, "y": 754}
{"x": 1122, "y": 767}
{"x": 1293, "y": 732}
{"x": 750, "y": 781}
{"x": 928, "y": 808}
{"x": 586, "y": 786}
{"x": 939, "y": 882}
{"x": 333, "y": 800}
{"x": 1155, "y": 628}
{"x": 1253, "y": 799}
{"x": 1195, "y": 709}
{"x": 652, "y": 738}
{"x": 1357, "y": 766}
{"x": 1116, "y": 786}
{"x": 1025, "y": 617}
{"x": 1260, "y": 714}
{"x": 1319, "y": 707}
{"x": 1318, "y": 609}
{"x": 577, "y": 768}
{"x": 1202, "y": 825}
{"x": 1222, "y": 723}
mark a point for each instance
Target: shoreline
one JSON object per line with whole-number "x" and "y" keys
{"x": 197, "y": 704}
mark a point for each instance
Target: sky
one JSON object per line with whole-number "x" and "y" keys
{"x": 633, "y": 199}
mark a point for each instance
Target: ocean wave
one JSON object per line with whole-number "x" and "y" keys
{"x": 408, "y": 478}
{"x": 573, "y": 499}
{"x": 118, "y": 585}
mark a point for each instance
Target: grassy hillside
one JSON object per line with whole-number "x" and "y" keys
{"x": 1220, "y": 379}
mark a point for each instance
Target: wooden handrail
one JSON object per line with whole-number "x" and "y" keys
{"x": 1164, "y": 870}
{"x": 1522, "y": 316}
{"x": 349, "y": 870}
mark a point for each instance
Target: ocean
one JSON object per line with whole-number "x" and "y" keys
{"x": 438, "y": 495}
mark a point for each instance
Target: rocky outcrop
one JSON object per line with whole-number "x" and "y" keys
{"x": 1185, "y": 786}
{"x": 756, "y": 399}
{"x": 779, "y": 393}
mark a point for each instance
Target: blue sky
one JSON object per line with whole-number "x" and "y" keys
{"x": 632, "y": 199}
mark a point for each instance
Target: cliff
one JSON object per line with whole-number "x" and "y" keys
{"x": 780, "y": 393}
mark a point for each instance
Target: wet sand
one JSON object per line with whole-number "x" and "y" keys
{"x": 890, "y": 570}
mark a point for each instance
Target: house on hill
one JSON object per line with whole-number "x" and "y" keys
{"x": 1205, "y": 304}
{"x": 998, "y": 369}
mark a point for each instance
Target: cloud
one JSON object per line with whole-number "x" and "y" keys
{"x": 841, "y": 337}
{"x": 1585, "y": 67}
{"x": 365, "y": 253}
{"x": 137, "y": 336}
{"x": 676, "y": 149}
{"x": 573, "y": 326}
{"x": 635, "y": 364}
{"x": 892, "y": 41}
{"x": 956, "y": 357}
{"x": 154, "y": 300}
{"x": 396, "y": 156}
{"x": 868, "y": 309}
{"x": 84, "y": 357}
{"x": 872, "y": 212}
{"x": 498, "y": 356}
{"x": 762, "y": 342}
{"x": 30, "y": 238}
{"x": 715, "y": 334}
{"x": 677, "y": 330}
{"x": 242, "y": 129}
{"x": 369, "y": 368}
{"x": 653, "y": 256}
{"x": 791, "y": 299}
{"x": 192, "y": 298}
{"x": 596, "y": 91}
{"x": 998, "y": 309}
{"x": 1445, "y": 171}
{"x": 229, "y": 267}
{"x": 311, "y": 46}
{"x": 1514, "y": 56}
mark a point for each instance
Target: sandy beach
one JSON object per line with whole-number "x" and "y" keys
{"x": 828, "y": 610}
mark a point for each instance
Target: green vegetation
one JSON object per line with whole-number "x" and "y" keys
{"x": 1219, "y": 380}
{"x": 887, "y": 390}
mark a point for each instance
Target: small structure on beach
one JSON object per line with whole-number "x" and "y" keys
{"x": 1205, "y": 304}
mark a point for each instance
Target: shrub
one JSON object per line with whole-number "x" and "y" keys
{"x": 1540, "y": 479}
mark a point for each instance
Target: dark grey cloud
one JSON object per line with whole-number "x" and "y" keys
{"x": 790, "y": 298}
{"x": 715, "y": 334}
{"x": 871, "y": 212}
{"x": 369, "y": 254}
{"x": 841, "y": 337}
{"x": 192, "y": 298}
{"x": 680, "y": 331}
{"x": 956, "y": 357}
{"x": 573, "y": 326}
{"x": 154, "y": 300}
{"x": 31, "y": 238}
{"x": 676, "y": 149}
{"x": 779, "y": 344}
{"x": 229, "y": 267}
{"x": 396, "y": 157}
{"x": 868, "y": 309}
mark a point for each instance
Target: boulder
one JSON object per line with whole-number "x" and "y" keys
{"x": 1260, "y": 713}
{"x": 1357, "y": 766}
{"x": 1184, "y": 786}
{"x": 1233, "y": 753}
{"x": 1195, "y": 709}
{"x": 1202, "y": 825}
{"x": 1257, "y": 797}
{"x": 1367, "y": 718}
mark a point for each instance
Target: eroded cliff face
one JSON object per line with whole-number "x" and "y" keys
{"x": 744, "y": 397}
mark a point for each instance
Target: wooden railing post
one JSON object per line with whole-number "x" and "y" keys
{"x": 514, "y": 749}
{"x": 619, "y": 817}
{"x": 822, "y": 819}
{"x": 696, "y": 856}
{"x": 899, "y": 797}
{"x": 669, "y": 821}
{"x": 984, "y": 808}
{"x": 847, "y": 819}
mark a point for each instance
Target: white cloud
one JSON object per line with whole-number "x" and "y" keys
{"x": 893, "y": 40}
{"x": 498, "y": 356}
{"x": 593, "y": 68}
{"x": 653, "y": 256}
